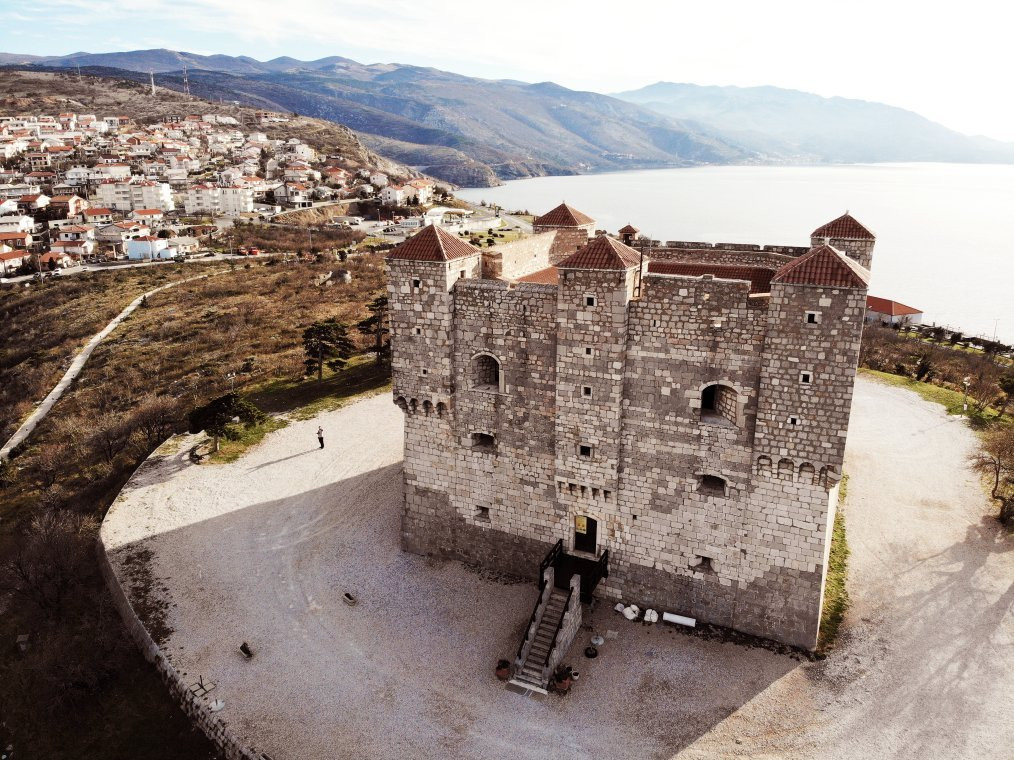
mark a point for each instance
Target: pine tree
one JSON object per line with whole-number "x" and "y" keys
{"x": 327, "y": 343}
{"x": 376, "y": 325}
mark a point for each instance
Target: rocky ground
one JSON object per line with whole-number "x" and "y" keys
{"x": 261, "y": 550}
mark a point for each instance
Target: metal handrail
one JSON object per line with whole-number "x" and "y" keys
{"x": 559, "y": 625}
{"x": 550, "y": 557}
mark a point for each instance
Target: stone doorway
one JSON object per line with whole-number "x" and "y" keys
{"x": 585, "y": 534}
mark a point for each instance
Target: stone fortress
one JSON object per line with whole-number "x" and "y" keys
{"x": 681, "y": 406}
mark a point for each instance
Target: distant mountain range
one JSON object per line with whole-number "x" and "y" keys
{"x": 802, "y": 127}
{"x": 477, "y": 131}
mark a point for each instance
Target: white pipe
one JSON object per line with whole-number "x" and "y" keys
{"x": 669, "y": 617}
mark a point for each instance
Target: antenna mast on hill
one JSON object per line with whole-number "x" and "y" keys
{"x": 186, "y": 82}
{"x": 152, "y": 75}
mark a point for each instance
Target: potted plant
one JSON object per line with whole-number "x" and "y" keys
{"x": 562, "y": 680}
{"x": 503, "y": 670}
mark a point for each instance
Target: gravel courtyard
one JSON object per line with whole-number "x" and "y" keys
{"x": 262, "y": 549}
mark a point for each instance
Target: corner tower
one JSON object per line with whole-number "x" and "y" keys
{"x": 572, "y": 230}
{"x": 848, "y": 236}
{"x": 421, "y": 273}
{"x": 811, "y": 348}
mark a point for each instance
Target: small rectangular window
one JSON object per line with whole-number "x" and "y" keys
{"x": 425, "y": 371}
{"x": 806, "y": 378}
{"x": 794, "y": 421}
{"x": 483, "y": 441}
{"x": 586, "y": 391}
{"x": 461, "y": 274}
{"x": 812, "y": 317}
{"x": 589, "y": 351}
{"x": 418, "y": 331}
{"x": 584, "y": 451}
{"x": 416, "y": 283}
{"x": 482, "y": 513}
{"x": 712, "y": 484}
{"x": 589, "y": 300}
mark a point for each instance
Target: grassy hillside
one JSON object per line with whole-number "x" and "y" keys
{"x": 81, "y": 690}
{"x": 49, "y": 321}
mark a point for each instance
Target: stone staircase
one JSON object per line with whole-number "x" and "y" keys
{"x": 530, "y": 675}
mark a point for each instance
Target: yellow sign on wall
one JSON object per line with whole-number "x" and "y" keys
{"x": 581, "y": 524}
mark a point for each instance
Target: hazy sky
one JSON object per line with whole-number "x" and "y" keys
{"x": 950, "y": 62}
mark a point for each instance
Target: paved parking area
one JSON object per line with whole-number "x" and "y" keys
{"x": 262, "y": 549}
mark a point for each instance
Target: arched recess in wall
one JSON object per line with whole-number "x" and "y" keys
{"x": 721, "y": 401}
{"x": 401, "y": 403}
{"x": 427, "y": 407}
{"x": 807, "y": 474}
{"x": 441, "y": 409}
{"x": 786, "y": 469}
{"x": 764, "y": 466}
{"x": 486, "y": 373}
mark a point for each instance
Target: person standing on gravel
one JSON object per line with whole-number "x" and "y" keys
{"x": 320, "y": 436}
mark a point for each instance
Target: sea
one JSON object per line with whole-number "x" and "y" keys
{"x": 945, "y": 232}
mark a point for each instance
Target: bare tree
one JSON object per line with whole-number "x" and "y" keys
{"x": 51, "y": 559}
{"x": 996, "y": 461}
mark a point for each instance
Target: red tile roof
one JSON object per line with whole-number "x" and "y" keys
{"x": 563, "y": 216}
{"x": 758, "y": 277}
{"x": 824, "y": 266}
{"x": 602, "y": 253}
{"x": 629, "y": 230}
{"x": 892, "y": 308}
{"x": 547, "y": 276}
{"x": 432, "y": 243}
{"x": 844, "y": 227}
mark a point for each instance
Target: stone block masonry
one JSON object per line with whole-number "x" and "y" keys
{"x": 693, "y": 428}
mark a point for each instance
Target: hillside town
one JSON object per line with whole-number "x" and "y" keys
{"x": 79, "y": 188}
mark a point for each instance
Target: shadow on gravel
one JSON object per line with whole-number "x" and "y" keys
{"x": 411, "y": 665}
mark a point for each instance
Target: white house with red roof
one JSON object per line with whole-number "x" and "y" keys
{"x": 889, "y": 312}
{"x": 149, "y": 247}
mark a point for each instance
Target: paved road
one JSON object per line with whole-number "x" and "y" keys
{"x": 262, "y": 549}
{"x": 76, "y": 365}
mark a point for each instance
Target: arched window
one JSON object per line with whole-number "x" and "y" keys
{"x": 486, "y": 373}
{"x": 712, "y": 485}
{"x": 719, "y": 403}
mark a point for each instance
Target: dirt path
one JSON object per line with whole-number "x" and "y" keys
{"x": 76, "y": 365}
{"x": 262, "y": 549}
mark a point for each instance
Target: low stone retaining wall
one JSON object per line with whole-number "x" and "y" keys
{"x": 197, "y": 708}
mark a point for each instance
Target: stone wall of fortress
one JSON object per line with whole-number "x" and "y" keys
{"x": 598, "y": 414}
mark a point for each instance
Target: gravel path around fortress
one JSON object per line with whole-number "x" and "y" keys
{"x": 262, "y": 549}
